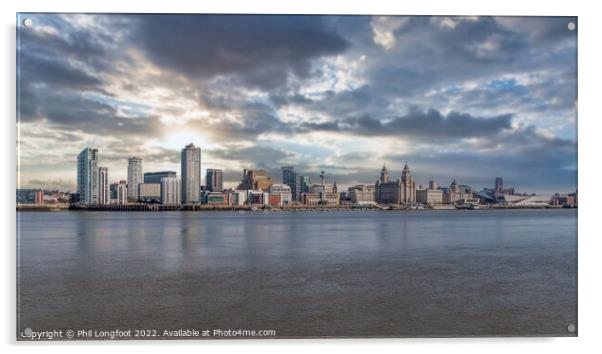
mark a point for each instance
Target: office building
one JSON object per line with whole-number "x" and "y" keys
{"x": 257, "y": 197}
{"x": 304, "y": 184}
{"x": 170, "y": 191}
{"x": 214, "y": 180}
{"x": 113, "y": 192}
{"x": 149, "y": 192}
{"x": 255, "y": 180}
{"x": 87, "y": 176}
{"x": 215, "y": 198}
{"x": 311, "y": 199}
{"x": 104, "y": 196}
{"x": 237, "y": 197}
{"x": 293, "y": 180}
{"x": 30, "y": 196}
{"x": 284, "y": 193}
{"x": 191, "y": 174}
{"x": 122, "y": 192}
{"x": 155, "y": 177}
{"x": 361, "y": 194}
{"x": 134, "y": 177}
{"x": 429, "y": 196}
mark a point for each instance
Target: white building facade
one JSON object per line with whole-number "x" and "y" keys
{"x": 170, "y": 191}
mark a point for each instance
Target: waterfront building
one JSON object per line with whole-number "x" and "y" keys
{"x": 274, "y": 199}
{"x": 311, "y": 199}
{"x": 122, "y": 192}
{"x": 156, "y": 177}
{"x": 87, "y": 176}
{"x": 255, "y": 179}
{"x": 328, "y": 193}
{"x": 113, "y": 192}
{"x": 429, "y": 196}
{"x": 214, "y": 180}
{"x": 361, "y": 194}
{"x": 401, "y": 191}
{"x": 30, "y": 196}
{"x": 104, "y": 196}
{"x": 291, "y": 179}
{"x": 564, "y": 200}
{"x": 215, "y": 198}
{"x": 237, "y": 197}
{"x": 257, "y": 197}
{"x": 284, "y": 193}
{"x": 149, "y": 192}
{"x": 526, "y": 200}
{"x": 191, "y": 174}
{"x": 134, "y": 177}
{"x": 452, "y": 194}
{"x": 170, "y": 191}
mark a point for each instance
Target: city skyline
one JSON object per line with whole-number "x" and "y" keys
{"x": 463, "y": 98}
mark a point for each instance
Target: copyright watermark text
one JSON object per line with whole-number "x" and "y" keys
{"x": 117, "y": 333}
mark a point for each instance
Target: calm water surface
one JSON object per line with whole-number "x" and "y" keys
{"x": 357, "y": 273}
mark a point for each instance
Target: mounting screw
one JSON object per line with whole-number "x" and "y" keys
{"x": 571, "y": 328}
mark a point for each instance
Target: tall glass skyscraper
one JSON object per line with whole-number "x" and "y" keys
{"x": 214, "y": 178}
{"x": 290, "y": 178}
{"x": 134, "y": 176}
{"x": 87, "y": 176}
{"x": 191, "y": 174}
{"x": 305, "y": 183}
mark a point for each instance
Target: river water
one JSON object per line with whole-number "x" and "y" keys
{"x": 301, "y": 274}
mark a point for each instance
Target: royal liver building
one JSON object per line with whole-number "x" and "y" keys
{"x": 401, "y": 191}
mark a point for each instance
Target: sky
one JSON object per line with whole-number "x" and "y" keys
{"x": 465, "y": 98}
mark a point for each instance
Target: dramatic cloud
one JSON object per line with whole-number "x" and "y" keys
{"x": 457, "y": 97}
{"x": 263, "y": 48}
{"x": 420, "y": 125}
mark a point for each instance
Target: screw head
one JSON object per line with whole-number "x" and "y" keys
{"x": 571, "y": 328}
{"x": 571, "y": 26}
{"x": 27, "y": 22}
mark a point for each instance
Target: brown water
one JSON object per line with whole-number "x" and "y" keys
{"x": 302, "y": 274}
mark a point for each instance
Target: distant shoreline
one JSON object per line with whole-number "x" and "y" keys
{"x": 218, "y": 208}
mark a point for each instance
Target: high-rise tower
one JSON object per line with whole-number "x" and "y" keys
{"x": 87, "y": 176}
{"x": 191, "y": 174}
{"x": 214, "y": 179}
{"x": 134, "y": 176}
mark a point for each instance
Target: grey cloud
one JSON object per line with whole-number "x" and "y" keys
{"x": 418, "y": 124}
{"x": 529, "y": 160}
{"x": 79, "y": 113}
{"x": 263, "y": 47}
{"x": 255, "y": 157}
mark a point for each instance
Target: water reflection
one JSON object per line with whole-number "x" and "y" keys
{"x": 339, "y": 273}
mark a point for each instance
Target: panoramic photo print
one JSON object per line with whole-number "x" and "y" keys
{"x": 184, "y": 176}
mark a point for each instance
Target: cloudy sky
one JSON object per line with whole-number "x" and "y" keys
{"x": 465, "y": 98}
